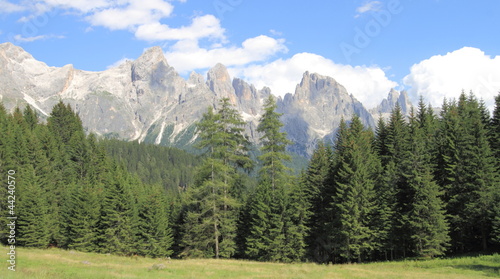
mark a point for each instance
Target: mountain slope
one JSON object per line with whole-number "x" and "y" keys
{"x": 147, "y": 100}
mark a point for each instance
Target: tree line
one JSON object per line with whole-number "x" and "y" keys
{"x": 425, "y": 185}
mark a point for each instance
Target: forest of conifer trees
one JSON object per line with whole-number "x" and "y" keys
{"x": 423, "y": 185}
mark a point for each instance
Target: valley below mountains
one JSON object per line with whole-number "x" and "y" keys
{"x": 147, "y": 100}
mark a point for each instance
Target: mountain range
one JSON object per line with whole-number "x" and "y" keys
{"x": 147, "y": 99}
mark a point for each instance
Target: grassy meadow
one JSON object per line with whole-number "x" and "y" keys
{"x": 56, "y": 263}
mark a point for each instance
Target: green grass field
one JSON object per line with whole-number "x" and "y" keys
{"x": 55, "y": 263}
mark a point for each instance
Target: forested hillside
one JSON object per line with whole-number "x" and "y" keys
{"x": 422, "y": 186}
{"x": 170, "y": 167}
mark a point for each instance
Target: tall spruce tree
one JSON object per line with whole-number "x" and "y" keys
{"x": 277, "y": 227}
{"x": 154, "y": 230}
{"x": 213, "y": 212}
{"x": 398, "y": 138}
{"x": 393, "y": 190}
{"x": 64, "y": 141}
{"x": 81, "y": 214}
{"x": 386, "y": 192}
{"x": 353, "y": 203}
{"x": 117, "y": 225}
{"x": 33, "y": 227}
{"x": 495, "y": 146}
{"x": 495, "y": 130}
{"x": 318, "y": 194}
{"x": 467, "y": 173}
{"x": 425, "y": 218}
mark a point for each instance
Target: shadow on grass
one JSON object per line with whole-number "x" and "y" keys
{"x": 492, "y": 271}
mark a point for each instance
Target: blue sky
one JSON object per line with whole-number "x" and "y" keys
{"x": 433, "y": 48}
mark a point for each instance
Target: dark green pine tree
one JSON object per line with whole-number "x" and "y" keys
{"x": 425, "y": 219}
{"x": 397, "y": 190}
{"x": 5, "y": 165}
{"x": 494, "y": 128}
{"x": 211, "y": 218}
{"x": 429, "y": 125}
{"x": 21, "y": 138}
{"x": 296, "y": 222}
{"x": 277, "y": 228}
{"x": 30, "y": 117}
{"x": 55, "y": 187}
{"x": 467, "y": 173}
{"x": 31, "y": 207}
{"x": 64, "y": 142}
{"x": 154, "y": 230}
{"x": 258, "y": 227}
{"x": 318, "y": 194}
{"x": 81, "y": 213}
{"x": 265, "y": 239}
{"x": 385, "y": 218}
{"x": 63, "y": 122}
{"x": 200, "y": 227}
{"x": 117, "y": 227}
{"x": 380, "y": 142}
{"x": 481, "y": 177}
{"x": 495, "y": 146}
{"x": 33, "y": 223}
{"x": 354, "y": 200}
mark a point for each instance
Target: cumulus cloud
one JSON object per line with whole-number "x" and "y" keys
{"x": 22, "y": 39}
{"x": 84, "y": 6}
{"x": 143, "y": 18}
{"x": 187, "y": 55}
{"x": 371, "y": 6}
{"x": 445, "y": 76}
{"x": 201, "y": 27}
{"x": 7, "y": 7}
{"x": 132, "y": 14}
{"x": 368, "y": 84}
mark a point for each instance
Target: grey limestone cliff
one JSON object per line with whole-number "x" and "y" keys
{"x": 315, "y": 110}
{"x": 147, "y": 100}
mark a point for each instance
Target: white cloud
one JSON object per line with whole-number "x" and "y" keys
{"x": 187, "y": 55}
{"x": 368, "y": 84}
{"x": 7, "y": 7}
{"x": 144, "y": 18}
{"x": 275, "y": 33}
{"x": 447, "y": 75}
{"x": 207, "y": 26}
{"x": 371, "y": 6}
{"x": 22, "y": 39}
{"x": 132, "y": 14}
{"x": 84, "y": 6}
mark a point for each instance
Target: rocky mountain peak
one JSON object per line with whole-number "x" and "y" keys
{"x": 219, "y": 73}
{"x": 393, "y": 96}
{"x": 151, "y": 56}
{"x": 219, "y": 82}
{"x": 387, "y": 105}
{"x": 17, "y": 59}
{"x": 315, "y": 110}
{"x": 195, "y": 79}
{"x": 147, "y": 100}
{"x": 318, "y": 89}
{"x": 404, "y": 102}
{"x": 151, "y": 65}
{"x": 12, "y": 52}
